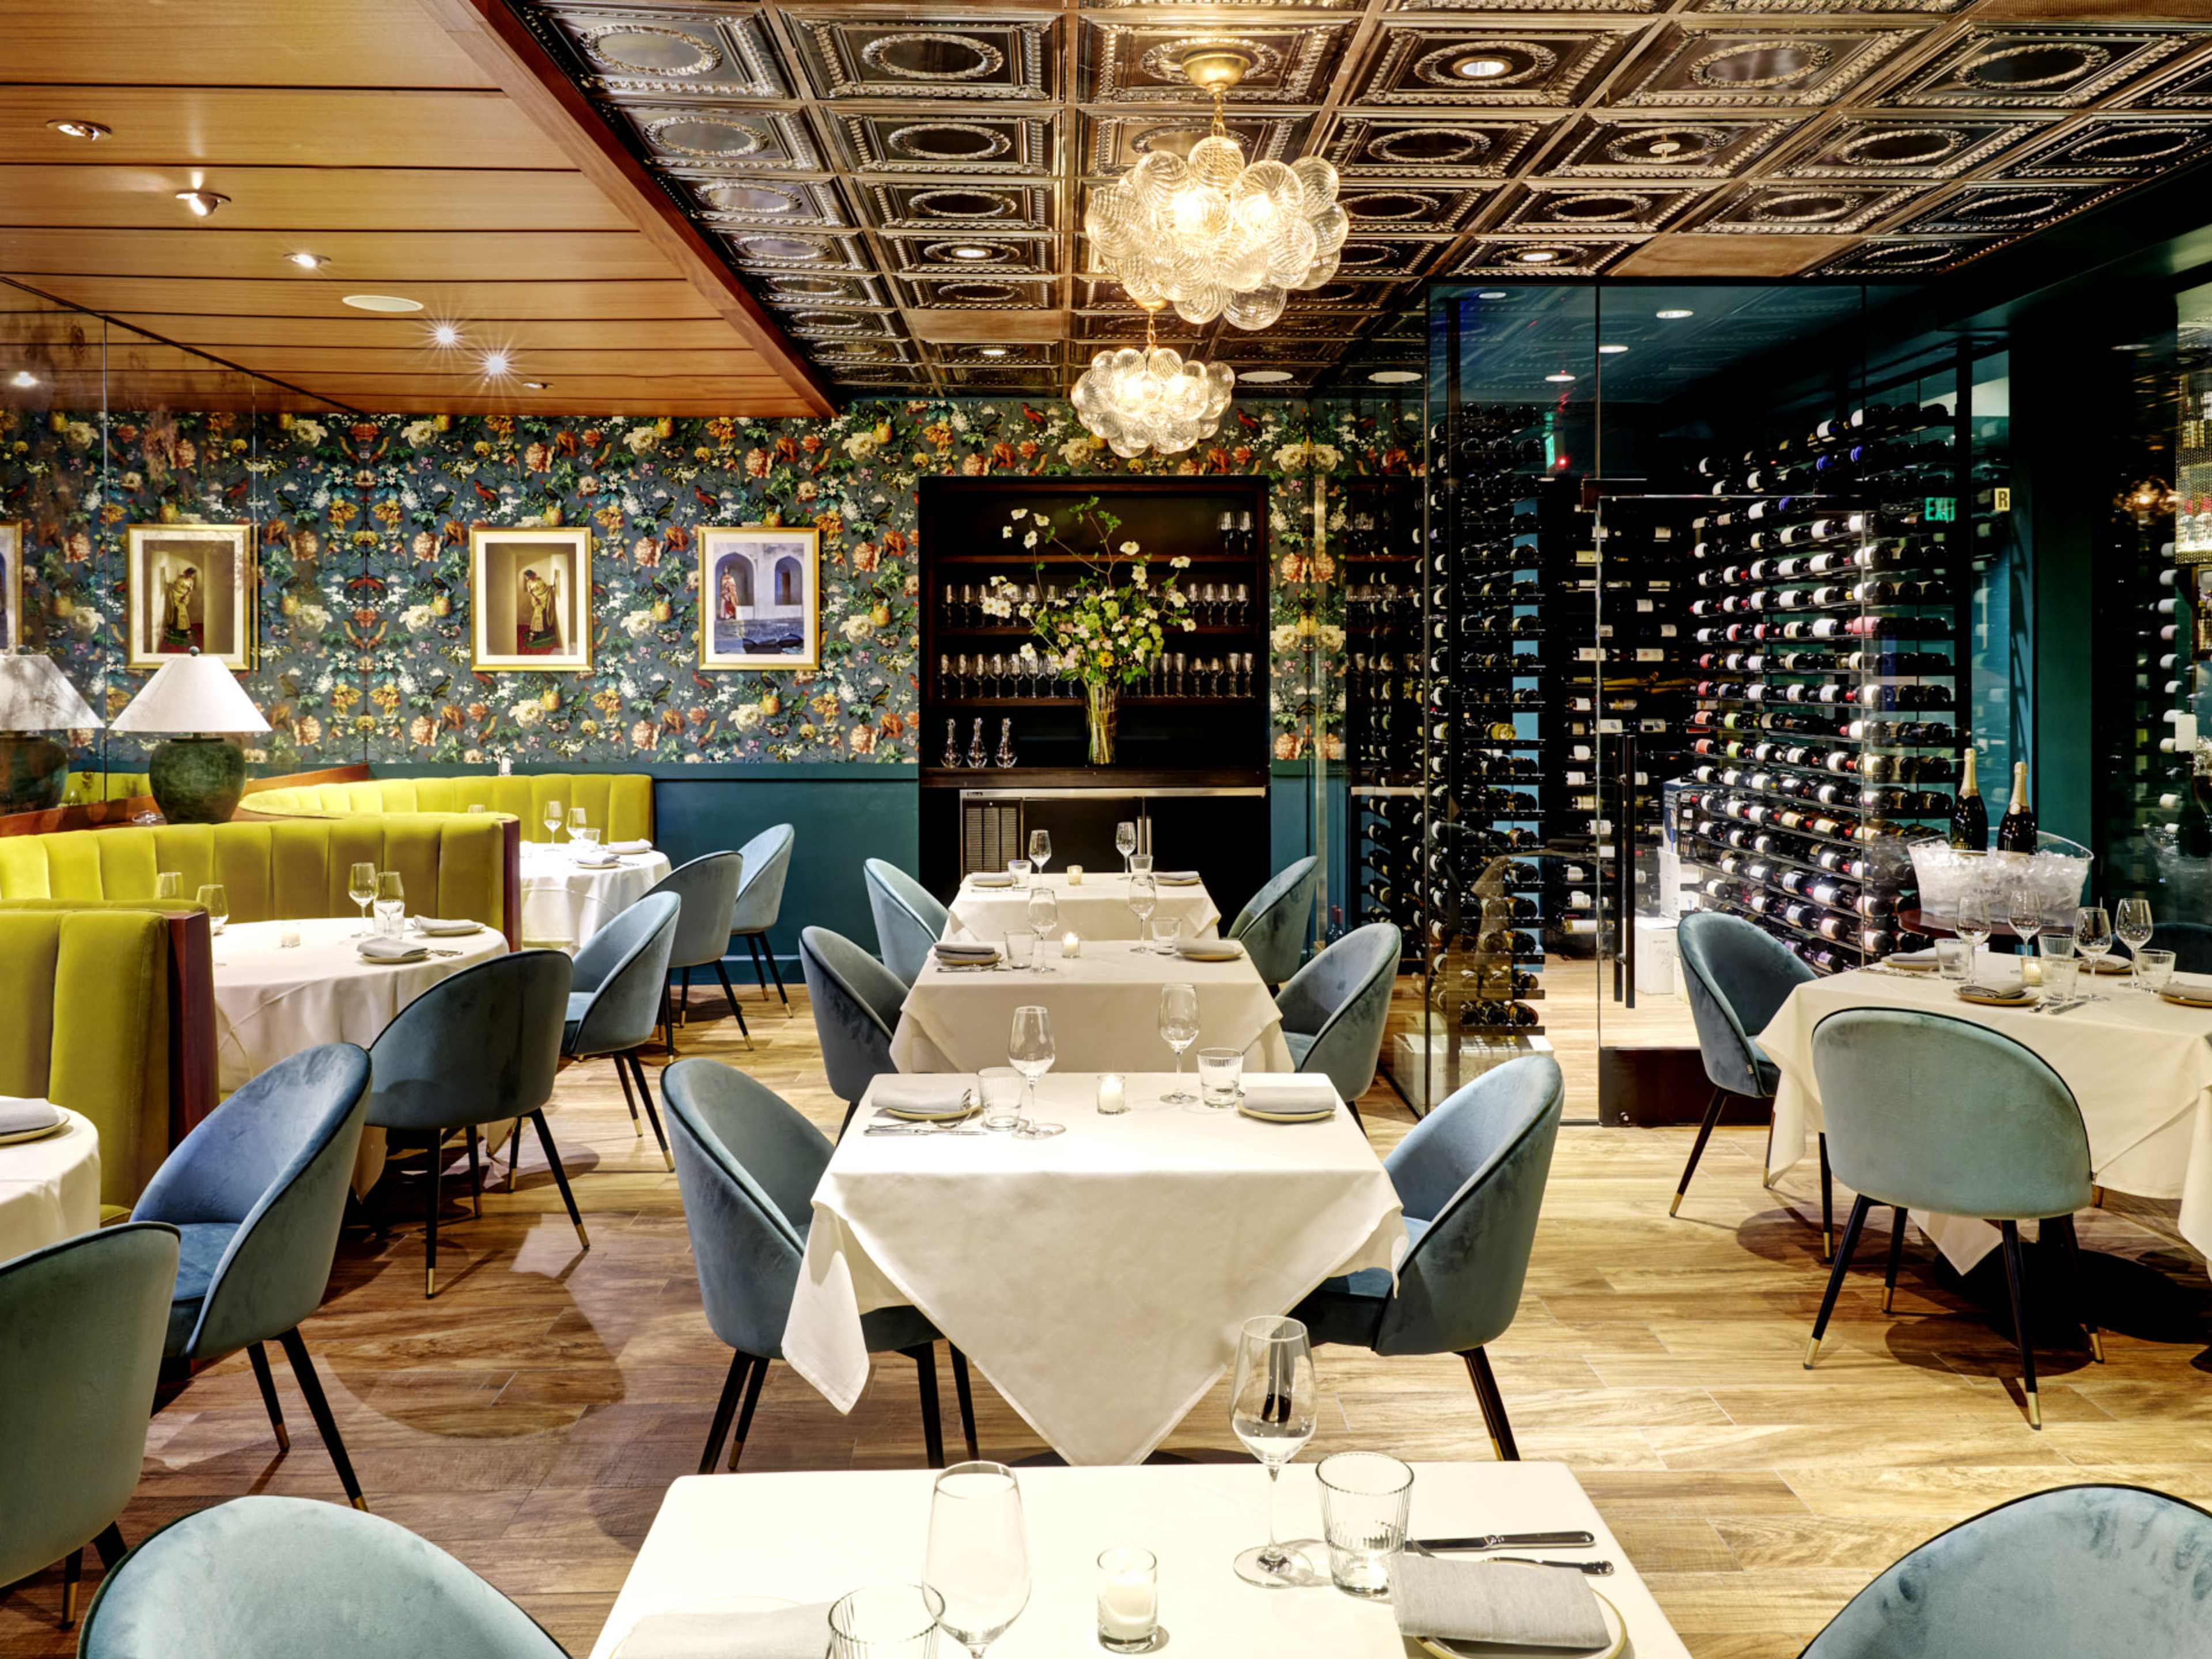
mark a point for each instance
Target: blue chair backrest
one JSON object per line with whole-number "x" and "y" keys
{"x": 2090, "y": 1572}
{"x": 856, "y": 1002}
{"x": 286, "y": 1577}
{"x": 82, "y": 1324}
{"x": 1341, "y": 998}
{"x": 625, "y": 966}
{"x": 708, "y": 889}
{"x": 1276, "y": 921}
{"x": 1736, "y": 979}
{"x": 2189, "y": 941}
{"x": 479, "y": 1047}
{"x": 908, "y": 918}
{"x": 1474, "y": 1170}
{"x": 1934, "y": 1113}
{"x": 748, "y": 1164}
{"x": 767, "y": 865}
{"x": 276, "y": 1160}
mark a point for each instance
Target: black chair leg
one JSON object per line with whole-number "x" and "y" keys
{"x": 72, "y": 1570}
{"x": 684, "y": 1008}
{"x": 2017, "y": 1289}
{"x": 636, "y": 1124}
{"x": 1896, "y": 1254}
{"x": 476, "y": 1174}
{"x": 745, "y": 1415}
{"x": 2077, "y": 1285}
{"x": 430, "y": 1232}
{"x": 303, "y": 1373}
{"x": 259, "y": 1356}
{"x": 110, "y": 1546}
{"x": 730, "y": 996}
{"x": 961, "y": 1389}
{"x": 652, "y": 1111}
{"x": 1493, "y": 1406}
{"x": 932, "y": 1429}
{"x": 1827, "y": 1205}
{"x": 724, "y": 1409}
{"x": 1698, "y": 1147}
{"x": 1859, "y": 1208}
{"x": 560, "y": 1175}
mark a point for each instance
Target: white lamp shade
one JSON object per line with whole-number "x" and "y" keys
{"x": 191, "y": 694}
{"x": 35, "y": 696}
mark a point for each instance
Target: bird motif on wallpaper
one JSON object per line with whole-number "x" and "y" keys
{"x": 490, "y": 497}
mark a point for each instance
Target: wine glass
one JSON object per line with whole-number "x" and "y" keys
{"x": 1144, "y": 899}
{"x": 215, "y": 899}
{"x": 2023, "y": 910}
{"x": 2092, "y": 937}
{"x": 1974, "y": 926}
{"x": 1178, "y": 1030}
{"x": 1044, "y": 908}
{"x": 577, "y": 825}
{"x": 2131, "y": 922}
{"x": 169, "y": 884}
{"x": 1040, "y": 849}
{"x": 1272, "y": 1409}
{"x": 1030, "y": 1051}
{"x": 553, "y": 820}
{"x": 1125, "y": 842}
{"x": 360, "y": 888}
{"x": 978, "y": 1556}
{"x": 390, "y": 902}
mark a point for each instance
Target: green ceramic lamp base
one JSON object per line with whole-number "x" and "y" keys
{"x": 34, "y": 772}
{"x": 198, "y": 779}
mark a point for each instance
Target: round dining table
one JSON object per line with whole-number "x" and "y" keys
{"x": 565, "y": 903}
{"x": 49, "y": 1188}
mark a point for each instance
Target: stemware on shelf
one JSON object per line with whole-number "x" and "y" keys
{"x": 978, "y": 1555}
{"x": 1272, "y": 1409}
{"x": 1179, "y": 1029}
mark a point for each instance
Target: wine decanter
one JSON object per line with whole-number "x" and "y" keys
{"x": 951, "y": 743}
{"x": 1006, "y": 741}
{"x": 978, "y": 757}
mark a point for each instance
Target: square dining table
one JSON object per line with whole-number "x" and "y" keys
{"x": 1105, "y": 1009}
{"x": 1099, "y": 1278}
{"x": 729, "y": 1540}
{"x": 1098, "y": 908}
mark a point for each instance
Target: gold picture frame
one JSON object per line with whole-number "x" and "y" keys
{"x": 529, "y": 599}
{"x": 760, "y": 596}
{"x": 11, "y": 584}
{"x": 191, "y": 587}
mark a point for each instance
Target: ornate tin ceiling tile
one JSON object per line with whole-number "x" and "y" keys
{"x": 1432, "y": 208}
{"x": 1141, "y": 61}
{"x": 2112, "y": 148}
{"x": 1441, "y": 64}
{"x": 1805, "y": 209}
{"x": 919, "y": 139}
{"x": 1907, "y": 148}
{"x": 708, "y": 137}
{"x": 1664, "y": 149}
{"x": 2056, "y": 67}
{"x": 1365, "y": 147}
{"x": 660, "y": 51}
{"x": 1711, "y": 65}
{"x": 965, "y": 204}
{"x": 1907, "y": 258}
{"x": 953, "y": 254}
{"x": 966, "y": 292}
{"x": 2011, "y": 210}
{"x": 1546, "y": 257}
{"x": 1597, "y": 209}
{"x": 1114, "y": 143}
{"x": 965, "y": 53}
{"x": 718, "y": 200}
{"x": 785, "y": 250}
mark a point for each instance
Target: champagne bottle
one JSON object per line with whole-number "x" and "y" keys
{"x": 1970, "y": 818}
{"x": 2016, "y": 831}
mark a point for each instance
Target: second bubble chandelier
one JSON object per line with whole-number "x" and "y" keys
{"x": 1211, "y": 236}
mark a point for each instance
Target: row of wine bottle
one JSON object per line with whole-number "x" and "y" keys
{"x": 1846, "y": 862}
{"x": 1829, "y": 596}
{"x": 1881, "y": 662}
{"x": 1860, "y": 797}
{"x": 1861, "y": 627}
{"x": 1848, "y": 762}
{"x": 1844, "y": 694}
{"x": 1893, "y": 734}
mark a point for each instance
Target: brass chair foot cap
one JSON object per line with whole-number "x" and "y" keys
{"x": 429, "y": 1284}
{"x": 2034, "y": 1411}
{"x": 69, "y": 1607}
{"x": 361, "y": 1503}
{"x": 637, "y": 1128}
{"x": 670, "y": 1162}
{"x": 583, "y": 1238}
{"x": 1812, "y": 1352}
{"x": 2096, "y": 1347}
{"x": 1676, "y": 1208}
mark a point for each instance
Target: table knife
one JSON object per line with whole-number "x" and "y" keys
{"x": 1504, "y": 1541}
{"x": 1594, "y": 1569}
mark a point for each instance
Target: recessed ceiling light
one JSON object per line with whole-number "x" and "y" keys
{"x": 496, "y": 363}
{"x": 307, "y": 261}
{"x": 991, "y": 351}
{"x": 536, "y": 386}
{"x": 1482, "y": 67}
{"x": 1674, "y": 314}
{"x": 1663, "y": 146}
{"x": 1560, "y": 379}
{"x": 969, "y": 251}
{"x": 1264, "y": 376}
{"x": 1391, "y": 376}
{"x": 23, "y": 377}
{"x": 202, "y": 202}
{"x": 71, "y": 127}
{"x": 442, "y": 334}
{"x": 1611, "y": 350}
{"x": 1492, "y": 294}
{"x": 386, "y": 303}
{"x": 1537, "y": 256}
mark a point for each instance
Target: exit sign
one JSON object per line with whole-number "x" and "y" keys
{"x": 1940, "y": 509}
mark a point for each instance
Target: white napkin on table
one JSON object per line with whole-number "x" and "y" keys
{"x": 1287, "y": 1093}
{"x": 444, "y": 929}
{"x": 945, "y": 1092}
{"x": 390, "y": 949}
{"x": 991, "y": 878}
{"x": 1175, "y": 878}
{"x": 22, "y": 1115}
{"x": 1495, "y": 1601}
{"x": 629, "y": 847}
{"x": 1209, "y": 949}
{"x": 1927, "y": 956}
{"x": 784, "y": 1633}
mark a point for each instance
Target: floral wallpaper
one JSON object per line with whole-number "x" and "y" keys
{"x": 362, "y": 527}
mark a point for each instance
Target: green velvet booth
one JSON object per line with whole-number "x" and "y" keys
{"x": 619, "y": 804}
{"x": 274, "y": 869}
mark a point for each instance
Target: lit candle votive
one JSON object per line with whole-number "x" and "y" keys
{"x": 1128, "y": 1600}
{"x": 1070, "y": 945}
{"x": 1113, "y": 1094}
{"x": 1075, "y": 875}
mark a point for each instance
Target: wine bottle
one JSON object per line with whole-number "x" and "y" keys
{"x": 2016, "y": 829}
{"x": 1970, "y": 818}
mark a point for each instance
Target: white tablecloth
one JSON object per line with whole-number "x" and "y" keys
{"x": 1099, "y": 1278}
{"x": 1105, "y": 1006}
{"x": 2141, "y": 1068}
{"x": 271, "y": 1003}
{"x": 808, "y": 1538}
{"x": 563, "y": 906}
{"x": 1097, "y": 909}
{"x": 49, "y": 1188}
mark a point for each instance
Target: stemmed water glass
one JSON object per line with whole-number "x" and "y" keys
{"x": 1044, "y": 919}
{"x": 391, "y": 901}
{"x": 978, "y": 1557}
{"x": 553, "y": 820}
{"x": 215, "y": 899}
{"x": 1040, "y": 849}
{"x": 2023, "y": 910}
{"x": 1030, "y": 1051}
{"x": 1178, "y": 1030}
{"x": 577, "y": 825}
{"x": 1144, "y": 899}
{"x": 360, "y": 888}
{"x": 1125, "y": 842}
{"x": 2131, "y": 922}
{"x": 1274, "y": 1408}
{"x": 2092, "y": 937}
{"x": 1974, "y": 926}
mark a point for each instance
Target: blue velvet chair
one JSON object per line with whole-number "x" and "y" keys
{"x": 708, "y": 888}
{"x": 856, "y": 1002}
{"x": 1277, "y": 921}
{"x": 257, "y": 1190}
{"x": 1929, "y": 1112}
{"x": 621, "y": 984}
{"x": 1334, "y": 1009}
{"x": 748, "y": 1164}
{"x": 479, "y": 1047}
{"x": 2190, "y": 943}
{"x": 2091, "y": 1572}
{"x": 1736, "y": 978}
{"x": 760, "y": 901}
{"x": 82, "y": 1325}
{"x": 1470, "y": 1178}
{"x": 284, "y": 1578}
{"x": 908, "y": 918}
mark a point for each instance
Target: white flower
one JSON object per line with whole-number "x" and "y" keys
{"x": 1130, "y": 549}
{"x": 857, "y": 629}
{"x": 419, "y": 432}
{"x": 1180, "y": 562}
{"x": 1030, "y": 539}
{"x": 642, "y": 439}
{"x": 1043, "y": 523}
{"x": 1285, "y": 638}
{"x": 1137, "y": 575}
{"x": 528, "y": 712}
{"x": 314, "y": 619}
{"x": 1019, "y": 512}
{"x": 311, "y": 432}
{"x": 860, "y": 445}
{"x": 746, "y": 716}
{"x": 1332, "y": 637}
{"x": 1005, "y": 532}
{"x": 415, "y": 618}
{"x": 637, "y": 623}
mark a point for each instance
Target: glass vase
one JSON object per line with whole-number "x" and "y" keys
{"x": 1102, "y": 713}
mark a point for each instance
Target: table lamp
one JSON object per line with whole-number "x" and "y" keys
{"x": 35, "y": 698}
{"x": 196, "y": 778}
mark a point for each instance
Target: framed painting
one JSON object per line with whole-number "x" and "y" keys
{"x": 760, "y": 597}
{"x": 529, "y": 599}
{"x": 11, "y": 586}
{"x": 191, "y": 587}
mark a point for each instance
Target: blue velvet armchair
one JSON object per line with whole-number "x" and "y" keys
{"x": 748, "y": 1164}
{"x": 257, "y": 1191}
{"x": 908, "y": 918}
{"x": 621, "y": 981}
{"x": 1929, "y": 1112}
{"x": 281, "y": 1577}
{"x": 856, "y": 1002}
{"x": 707, "y": 888}
{"x": 82, "y": 1324}
{"x": 1470, "y": 1178}
{"x": 481, "y": 1046}
{"x": 760, "y": 901}
{"x": 1335, "y": 1008}
{"x": 1275, "y": 922}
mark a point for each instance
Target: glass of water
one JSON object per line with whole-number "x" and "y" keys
{"x": 391, "y": 902}
{"x": 2153, "y": 969}
{"x": 1274, "y": 1408}
{"x": 1220, "y": 1077}
{"x": 1019, "y": 870}
{"x": 1001, "y": 1088}
{"x": 1364, "y": 1500}
{"x": 169, "y": 884}
{"x": 1144, "y": 899}
{"x": 215, "y": 899}
{"x": 1125, "y": 841}
{"x": 1021, "y": 948}
{"x": 360, "y": 888}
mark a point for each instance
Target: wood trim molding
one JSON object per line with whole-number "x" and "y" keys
{"x": 490, "y": 33}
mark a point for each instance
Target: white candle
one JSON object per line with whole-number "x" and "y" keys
{"x": 1113, "y": 1095}
{"x": 1070, "y": 945}
{"x": 1129, "y": 1603}
{"x": 1075, "y": 875}
{"x": 289, "y": 938}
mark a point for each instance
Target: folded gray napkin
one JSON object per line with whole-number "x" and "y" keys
{"x": 629, "y": 847}
{"x": 1284, "y": 1093}
{"x": 991, "y": 878}
{"x": 389, "y": 950}
{"x": 1497, "y": 1601}
{"x": 1913, "y": 957}
{"x": 785, "y": 1633}
{"x": 443, "y": 928}
{"x": 21, "y": 1117}
{"x": 1177, "y": 877}
{"x": 927, "y": 1091}
{"x": 1209, "y": 949}
{"x": 961, "y": 949}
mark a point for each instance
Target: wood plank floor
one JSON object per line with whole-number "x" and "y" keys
{"x": 528, "y": 1418}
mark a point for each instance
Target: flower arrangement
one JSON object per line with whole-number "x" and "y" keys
{"x": 1108, "y": 627}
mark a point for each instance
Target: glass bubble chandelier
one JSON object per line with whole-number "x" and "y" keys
{"x": 1154, "y": 399}
{"x": 1212, "y": 236}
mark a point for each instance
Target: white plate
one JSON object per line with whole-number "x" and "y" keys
{"x": 420, "y": 953}
{"x": 735, "y": 1605}
{"x": 21, "y": 1136}
{"x": 1616, "y": 1632}
{"x": 1207, "y": 949}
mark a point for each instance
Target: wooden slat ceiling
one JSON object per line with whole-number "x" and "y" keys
{"x": 405, "y": 143}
